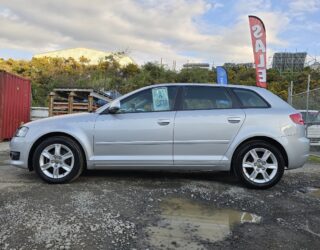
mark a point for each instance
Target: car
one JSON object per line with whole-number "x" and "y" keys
{"x": 312, "y": 122}
{"x": 309, "y": 115}
{"x": 313, "y": 130}
{"x": 246, "y": 130}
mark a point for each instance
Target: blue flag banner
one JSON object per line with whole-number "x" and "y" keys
{"x": 222, "y": 75}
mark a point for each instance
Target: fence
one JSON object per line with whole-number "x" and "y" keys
{"x": 308, "y": 103}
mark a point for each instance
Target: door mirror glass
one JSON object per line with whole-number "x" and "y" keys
{"x": 114, "y": 107}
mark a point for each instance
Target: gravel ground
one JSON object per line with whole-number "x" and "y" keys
{"x": 158, "y": 210}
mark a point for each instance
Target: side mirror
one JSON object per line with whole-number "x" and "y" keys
{"x": 114, "y": 107}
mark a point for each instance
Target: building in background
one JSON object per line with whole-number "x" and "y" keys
{"x": 94, "y": 56}
{"x": 285, "y": 61}
{"x": 315, "y": 66}
{"x": 239, "y": 65}
{"x": 196, "y": 66}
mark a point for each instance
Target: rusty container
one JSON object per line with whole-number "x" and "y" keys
{"x": 15, "y": 102}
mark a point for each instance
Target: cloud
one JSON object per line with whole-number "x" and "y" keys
{"x": 302, "y": 7}
{"x": 250, "y": 6}
{"x": 7, "y": 14}
{"x": 149, "y": 29}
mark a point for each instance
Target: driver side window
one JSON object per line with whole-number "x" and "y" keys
{"x": 150, "y": 100}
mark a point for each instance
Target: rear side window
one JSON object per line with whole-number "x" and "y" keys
{"x": 201, "y": 98}
{"x": 250, "y": 99}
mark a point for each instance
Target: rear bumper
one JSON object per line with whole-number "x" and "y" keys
{"x": 297, "y": 149}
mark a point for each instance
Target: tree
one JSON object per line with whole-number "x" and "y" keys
{"x": 47, "y": 73}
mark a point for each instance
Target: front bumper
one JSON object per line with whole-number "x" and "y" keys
{"x": 19, "y": 145}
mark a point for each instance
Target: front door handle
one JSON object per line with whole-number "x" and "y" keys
{"x": 234, "y": 119}
{"x": 163, "y": 122}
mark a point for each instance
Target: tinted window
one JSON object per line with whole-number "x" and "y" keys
{"x": 205, "y": 98}
{"x": 317, "y": 118}
{"x": 250, "y": 99}
{"x": 312, "y": 116}
{"x": 150, "y": 100}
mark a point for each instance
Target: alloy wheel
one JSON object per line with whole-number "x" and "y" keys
{"x": 260, "y": 165}
{"x": 56, "y": 161}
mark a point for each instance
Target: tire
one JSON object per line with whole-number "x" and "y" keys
{"x": 58, "y": 160}
{"x": 254, "y": 168}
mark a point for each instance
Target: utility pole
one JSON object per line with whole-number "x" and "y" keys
{"x": 174, "y": 65}
{"x": 308, "y": 93}
{"x": 290, "y": 93}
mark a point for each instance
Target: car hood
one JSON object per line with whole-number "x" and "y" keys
{"x": 63, "y": 119}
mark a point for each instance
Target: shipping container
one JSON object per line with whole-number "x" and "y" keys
{"x": 15, "y": 102}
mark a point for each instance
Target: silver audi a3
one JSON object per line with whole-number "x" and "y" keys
{"x": 246, "y": 130}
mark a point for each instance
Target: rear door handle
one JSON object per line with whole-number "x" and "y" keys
{"x": 234, "y": 119}
{"x": 163, "y": 122}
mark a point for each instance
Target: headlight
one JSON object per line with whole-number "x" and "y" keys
{"x": 21, "y": 132}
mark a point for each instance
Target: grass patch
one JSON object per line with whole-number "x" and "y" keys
{"x": 314, "y": 159}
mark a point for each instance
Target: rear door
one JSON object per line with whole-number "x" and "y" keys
{"x": 207, "y": 122}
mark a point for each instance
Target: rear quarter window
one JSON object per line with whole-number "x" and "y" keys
{"x": 250, "y": 99}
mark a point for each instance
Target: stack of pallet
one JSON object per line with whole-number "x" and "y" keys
{"x": 67, "y": 101}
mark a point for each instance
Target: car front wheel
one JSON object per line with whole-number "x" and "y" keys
{"x": 58, "y": 160}
{"x": 259, "y": 164}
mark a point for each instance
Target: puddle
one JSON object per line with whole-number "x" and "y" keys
{"x": 185, "y": 224}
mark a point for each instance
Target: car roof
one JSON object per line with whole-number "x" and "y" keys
{"x": 261, "y": 91}
{"x": 203, "y": 84}
{"x": 257, "y": 89}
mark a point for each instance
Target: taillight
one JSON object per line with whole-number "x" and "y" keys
{"x": 297, "y": 118}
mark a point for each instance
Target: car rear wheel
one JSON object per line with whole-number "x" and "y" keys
{"x": 58, "y": 160}
{"x": 259, "y": 164}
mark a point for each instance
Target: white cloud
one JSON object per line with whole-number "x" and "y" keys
{"x": 149, "y": 29}
{"x": 250, "y": 6}
{"x": 7, "y": 14}
{"x": 302, "y": 7}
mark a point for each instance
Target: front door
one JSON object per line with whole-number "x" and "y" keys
{"x": 140, "y": 134}
{"x": 205, "y": 126}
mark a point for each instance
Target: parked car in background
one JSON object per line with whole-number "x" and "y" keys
{"x": 309, "y": 115}
{"x": 246, "y": 130}
{"x": 313, "y": 131}
{"x": 312, "y": 118}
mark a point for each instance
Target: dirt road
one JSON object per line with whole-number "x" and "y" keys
{"x": 158, "y": 210}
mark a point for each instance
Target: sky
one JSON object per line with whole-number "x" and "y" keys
{"x": 211, "y": 31}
